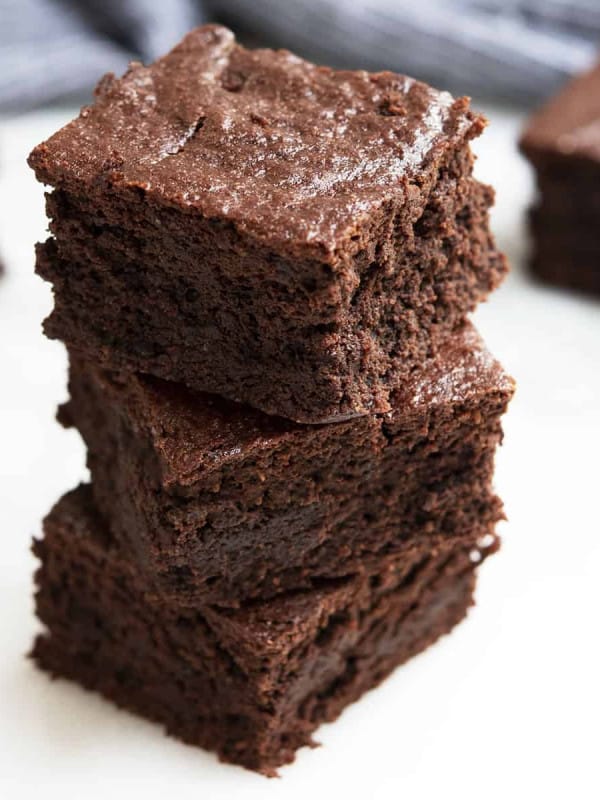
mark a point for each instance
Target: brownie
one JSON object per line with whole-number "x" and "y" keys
{"x": 252, "y": 225}
{"x": 219, "y": 503}
{"x": 562, "y": 142}
{"x": 250, "y": 683}
{"x": 567, "y": 250}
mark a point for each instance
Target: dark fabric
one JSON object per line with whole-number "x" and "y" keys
{"x": 516, "y": 50}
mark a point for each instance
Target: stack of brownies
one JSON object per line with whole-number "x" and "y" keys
{"x": 562, "y": 141}
{"x": 262, "y": 270}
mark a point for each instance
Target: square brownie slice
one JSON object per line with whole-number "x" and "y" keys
{"x": 250, "y": 683}
{"x": 255, "y": 226}
{"x": 218, "y": 502}
{"x": 562, "y": 142}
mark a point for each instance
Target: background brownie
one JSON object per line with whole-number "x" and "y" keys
{"x": 562, "y": 141}
{"x": 252, "y": 225}
{"x": 251, "y": 683}
{"x": 219, "y": 502}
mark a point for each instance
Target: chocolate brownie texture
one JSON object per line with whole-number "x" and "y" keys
{"x": 251, "y": 225}
{"x": 566, "y": 249}
{"x": 562, "y": 142}
{"x": 219, "y": 503}
{"x": 250, "y": 683}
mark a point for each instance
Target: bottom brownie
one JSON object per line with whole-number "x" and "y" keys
{"x": 566, "y": 251}
{"x": 251, "y": 683}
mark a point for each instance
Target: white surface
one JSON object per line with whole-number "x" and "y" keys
{"x": 507, "y": 706}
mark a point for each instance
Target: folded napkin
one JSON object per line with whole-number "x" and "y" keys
{"x": 514, "y": 50}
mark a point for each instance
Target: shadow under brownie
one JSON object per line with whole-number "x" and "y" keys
{"x": 252, "y": 225}
{"x": 219, "y": 503}
{"x": 250, "y": 683}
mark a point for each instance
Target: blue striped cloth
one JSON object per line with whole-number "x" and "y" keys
{"x": 515, "y": 50}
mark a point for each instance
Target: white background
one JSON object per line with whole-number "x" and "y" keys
{"x": 507, "y": 706}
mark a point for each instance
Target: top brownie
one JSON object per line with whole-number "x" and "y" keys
{"x": 566, "y": 131}
{"x": 256, "y": 226}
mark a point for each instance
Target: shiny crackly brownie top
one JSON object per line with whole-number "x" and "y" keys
{"x": 569, "y": 124}
{"x": 289, "y": 152}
